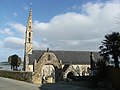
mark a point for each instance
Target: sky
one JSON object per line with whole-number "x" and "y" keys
{"x": 77, "y": 25}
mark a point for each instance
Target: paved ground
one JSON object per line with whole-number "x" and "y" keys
{"x": 9, "y": 84}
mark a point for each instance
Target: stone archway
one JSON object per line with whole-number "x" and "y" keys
{"x": 47, "y": 58}
{"x": 48, "y": 74}
{"x": 70, "y": 69}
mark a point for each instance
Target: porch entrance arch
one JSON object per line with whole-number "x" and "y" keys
{"x": 48, "y": 74}
{"x": 70, "y": 75}
{"x": 70, "y": 72}
{"x": 47, "y": 58}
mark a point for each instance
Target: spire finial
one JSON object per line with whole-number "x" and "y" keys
{"x": 30, "y": 12}
{"x": 31, "y": 5}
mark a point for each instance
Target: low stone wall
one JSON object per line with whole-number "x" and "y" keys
{"x": 114, "y": 76}
{"x": 18, "y": 75}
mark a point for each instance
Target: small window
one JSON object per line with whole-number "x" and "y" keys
{"x": 29, "y": 34}
{"x": 29, "y": 27}
{"x": 49, "y": 57}
{"x": 29, "y": 40}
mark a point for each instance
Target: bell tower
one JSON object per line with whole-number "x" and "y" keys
{"x": 28, "y": 41}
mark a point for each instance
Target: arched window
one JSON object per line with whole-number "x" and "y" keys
{"x": 70, "y": 75}
{"x": 29, "y": 27}
{"x": 29, "y": 40}
{"x": 49, "y": 57}
{"x": 29, "y": 34}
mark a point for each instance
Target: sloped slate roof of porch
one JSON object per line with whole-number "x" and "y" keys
{"x": 73, "y": 57}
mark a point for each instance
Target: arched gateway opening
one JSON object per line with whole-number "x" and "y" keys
{"x": 47, "y": 60}
{"x": 48, "y": 73}
{"x": 70, "y": 75}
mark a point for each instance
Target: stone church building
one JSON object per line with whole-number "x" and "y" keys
{"x": 50, "y": 66}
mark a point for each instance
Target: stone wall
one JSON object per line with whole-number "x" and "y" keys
{"x": 18, "y": 75}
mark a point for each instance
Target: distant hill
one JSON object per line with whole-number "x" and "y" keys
{"x": 4, "y": 63}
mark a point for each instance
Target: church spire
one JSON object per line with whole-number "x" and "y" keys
{"x": 30, "y": 20}
{"x": 28, "y": 41}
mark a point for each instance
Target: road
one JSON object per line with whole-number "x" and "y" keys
{"x": 10, "y": 84}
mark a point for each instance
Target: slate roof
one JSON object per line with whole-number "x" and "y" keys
{"x": 73, "y": 57}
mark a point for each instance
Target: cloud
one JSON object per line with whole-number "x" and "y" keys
{"x": 40, "y": 46}
{"x": 78, "y": 31}
{"x": 6, "y": 31}
{"x": 1, "y": 44}
{"x": 82, "y": 30}
{"x": 18, "y": 27}
{"x": 75, "y": 8}
{"x": 13, "y": 43}
{"x": 16, "y": 43}
{"x": 75, "y": 44}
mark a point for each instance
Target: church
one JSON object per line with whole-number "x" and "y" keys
{"x": 50, "y": 66}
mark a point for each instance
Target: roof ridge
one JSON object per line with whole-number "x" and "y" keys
{"x": 66, "y": 51}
